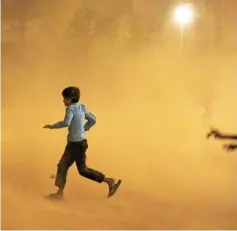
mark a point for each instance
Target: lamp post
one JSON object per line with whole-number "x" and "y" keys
{"x": 183, "y": 16}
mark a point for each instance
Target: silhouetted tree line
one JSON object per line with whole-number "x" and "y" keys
{"x": 113, "y": 18}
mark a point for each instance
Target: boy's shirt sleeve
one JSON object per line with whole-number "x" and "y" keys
{"x": 91, "y": 119}
{"x": 67, "y": 119}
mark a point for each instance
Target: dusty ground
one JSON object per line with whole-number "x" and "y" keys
{"x": 153, "y": 112}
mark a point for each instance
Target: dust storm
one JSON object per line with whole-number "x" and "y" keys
{"x": 153, "y": 104}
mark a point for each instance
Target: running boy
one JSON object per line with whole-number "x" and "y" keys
{"x": 76, "y": 147}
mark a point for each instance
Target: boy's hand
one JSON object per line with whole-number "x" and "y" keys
{"x": 215, "y": 133}
{"x": 48, "y": 126}
{"x": 230, "y": 147}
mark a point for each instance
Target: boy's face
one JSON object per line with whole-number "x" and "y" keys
{"x": 66, "y": 101}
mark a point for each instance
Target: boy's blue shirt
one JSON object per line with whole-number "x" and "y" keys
{"x": 75, "y": 121}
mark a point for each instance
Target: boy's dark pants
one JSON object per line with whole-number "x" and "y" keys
{"x": 76, "y": 152}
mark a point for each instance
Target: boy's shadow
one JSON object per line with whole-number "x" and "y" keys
{"x": 54, "y": 197}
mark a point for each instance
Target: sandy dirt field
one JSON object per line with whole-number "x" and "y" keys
{"x": 152, "y": 136}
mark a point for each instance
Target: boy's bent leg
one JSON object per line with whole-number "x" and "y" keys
{"x": 88, "y": 172}
{"x": 98, "y": 177}
{"x": 80, "y": 158}
{"x": 64, "y": 164}
{"x": 91, "y": 174}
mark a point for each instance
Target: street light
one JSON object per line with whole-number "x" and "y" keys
{"x": 183, "y": 16}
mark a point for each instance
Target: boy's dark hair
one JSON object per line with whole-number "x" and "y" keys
{"x": 72, "y": 93}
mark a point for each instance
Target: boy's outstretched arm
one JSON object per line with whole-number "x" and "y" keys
{"x": 91, "y": 120}
{"x": 67, "y": 120}
{"x": 218, "y": 135}
{"x": 232, "y": 137}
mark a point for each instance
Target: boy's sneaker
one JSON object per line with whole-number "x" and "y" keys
{"x": 113, "y": 188}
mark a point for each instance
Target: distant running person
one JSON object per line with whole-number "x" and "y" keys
{"x": 218, "y": 135}
{"x": 76, "y": 147}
